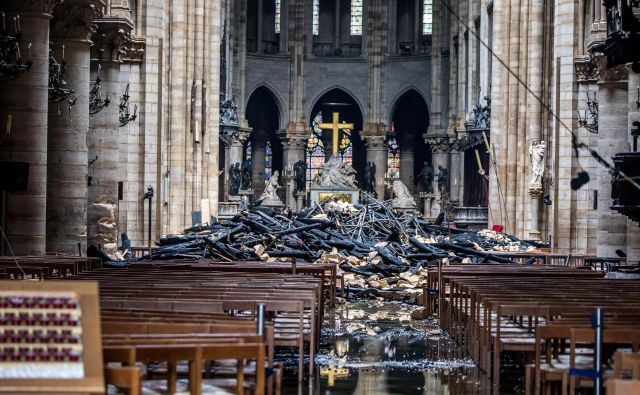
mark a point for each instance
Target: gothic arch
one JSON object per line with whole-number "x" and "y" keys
{"x": 282, "y": 109}
{"x": 394, "y": 103}
{"x": 337, "y": 88}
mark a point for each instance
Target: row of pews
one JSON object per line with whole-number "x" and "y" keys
{"x": 540, "y": 312}
{"x": 197, "y": 326}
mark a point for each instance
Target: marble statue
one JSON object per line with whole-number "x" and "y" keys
{"x": 402, "y": 197}
{"x": 246, "y": 175}
{"x": 336, "y": 175}
{"x": 426, "y": 176}
{"x": 299, "y": 176}
{"x": 234, "y": 179}
{"x": 370, "y": 178}
{"x": 536, "y": 155}
{"x": 443, "y": 178}
{"x": 270, "y": 195}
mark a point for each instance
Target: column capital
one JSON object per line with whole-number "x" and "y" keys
{"x": 440, "y": 143}
{"x": 375, "y": 143}
{"x": 296, "y": 141}
{"x": 112, "y": 39}
{"x": 234, "y": 136}
{"x": 74, "y": 20}
{"x": 610, "y": 74}
{"x": 35, "y": 6}
{"x": 586, "y": 68}
{"x": 134, "y": 52}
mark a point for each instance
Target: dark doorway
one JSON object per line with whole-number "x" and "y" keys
{"x": 409, "y": 122}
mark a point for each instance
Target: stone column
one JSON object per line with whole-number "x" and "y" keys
{"x": 259, "y": 140}
{"x": 336, "y": 28}
{"x": 112, "y": 37}
{"x": 440, "y": 147}
{"x": 407, "y": 159}
{"x": 455, "y": 175}
{"x": 612, "y": 138}
{"x": 235, "y": 138}
{"x": 377, "y": 153}
{"x": 67, "y": 167}
{"x": 260, "y": 23}
{"x": 633, "y": 228}
{"x": 294, "y": 146}
{"x": 25, "y": 99}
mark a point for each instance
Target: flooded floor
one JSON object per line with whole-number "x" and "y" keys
{"x": 374, "y": 348}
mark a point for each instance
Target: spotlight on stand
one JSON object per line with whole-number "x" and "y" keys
{"x": 580, "y": 180}
{"x": 547, "y": 200}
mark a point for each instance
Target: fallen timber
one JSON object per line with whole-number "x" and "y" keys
{"x": 373, "y": 246}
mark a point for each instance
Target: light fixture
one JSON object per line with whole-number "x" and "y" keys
{"x": 12, "y": 65}
{"x": 58, "y": 89}
{"x": 96, "y": 104}
{"x": 590, "y": 119}
{"x": 125, "y": 117}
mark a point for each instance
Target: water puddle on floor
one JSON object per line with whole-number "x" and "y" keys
{"x": 375, "y": 348}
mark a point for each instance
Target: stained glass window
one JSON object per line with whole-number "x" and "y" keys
{"x": 278, "y": 13}
{"x": 268, "y": 159}
{"x": 315, "y": 150}
{"x": 316, "y": 17}
{"x": 427, "y": 17}
{"x": 356, "y": 17}
{"x": 346, "y": 148}
{"x": 393, "y": 154}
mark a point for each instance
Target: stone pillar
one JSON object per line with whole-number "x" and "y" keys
{"x": 260, "y": 23}
{"x": 377, "y": 153}
{"x": 336, "y": 27}
{"x": 103, "y": 139}
{"x": 407, "y": 159}
{"x": 455, "y": 175}
{"x": 235, "y": 138}
{"x": 633, "y": 228}
{"x": 613, "y": 100}
{"x": 259, "y": 140}
{"x": 294, "y": 146}
{"x": 67, "y": 167}
{"x": 440, "y": 146}
{"x": 25, "y": 99}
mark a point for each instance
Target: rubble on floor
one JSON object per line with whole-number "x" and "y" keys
{"x": 377, "y": 249}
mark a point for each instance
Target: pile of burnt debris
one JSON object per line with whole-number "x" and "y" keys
{"x": 376, "y": 247}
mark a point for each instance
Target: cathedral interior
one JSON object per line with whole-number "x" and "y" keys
{"x": 127, "y": 124}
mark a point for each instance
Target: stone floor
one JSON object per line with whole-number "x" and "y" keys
{"x": 374, "y": 348}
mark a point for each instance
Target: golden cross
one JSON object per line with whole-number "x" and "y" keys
{"x": 336, "y": 126}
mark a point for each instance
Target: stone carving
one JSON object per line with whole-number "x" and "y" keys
{"x": 586, "y": 69}
{"x": 233, "y": 136}
{"x": 113, "y": 37}
{"x": 375, "y": 142}
{"x": 482, "y": 114}
{"x": 426, "y": 177}
{"x": 336, "y": 175}
{"x": 270, "y": 195}
{"x": 299, "y": 176}
{"x": 75, "y": 19}
{"x": 440, "y": 144}
{"x": 443, "y": 179}
{"x": 134, "y": 52}
{"x": 536, "y": 155}
{"x": 402, "y": 197}
{"x": 234, "y": 179}
{"x": 229, "y": 112}
{"x": 370, "y": 178}
{"x": 246, "y": 175}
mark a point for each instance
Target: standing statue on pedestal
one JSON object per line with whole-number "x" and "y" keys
{"x": 246, "y": 175}
{"x": 370, "y": 178}
{"x": 426, "y": 176}
{"x": 299, "y": 176}
{"x": 234, "y": 179}
{"x": 536, "y": 155}
{"x": 443, "y": 179}
{"x": 402, "y": 197}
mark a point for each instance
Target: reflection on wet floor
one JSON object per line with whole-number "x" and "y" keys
{"x": 375, "y": 348}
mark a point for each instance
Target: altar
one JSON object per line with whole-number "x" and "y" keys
{"x": 336, "y": 182}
